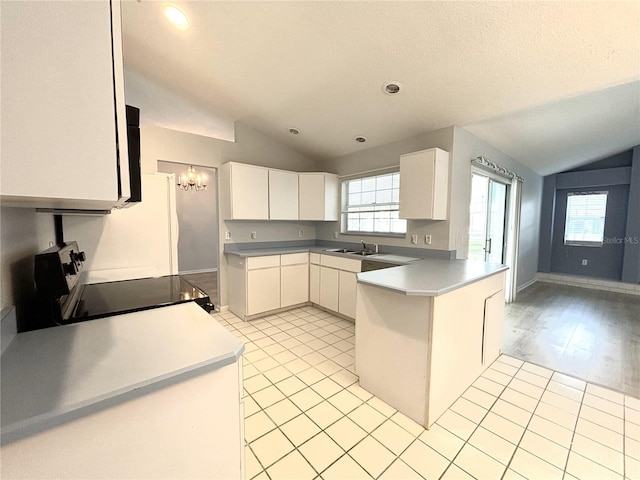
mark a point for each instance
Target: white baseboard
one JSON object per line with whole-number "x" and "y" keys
{"x": 525, "y": 285}
{"x": 587, "y": 282}
{"x": 223, "y": 308}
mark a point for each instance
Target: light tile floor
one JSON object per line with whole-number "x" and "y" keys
{"x": 307, "y": 418}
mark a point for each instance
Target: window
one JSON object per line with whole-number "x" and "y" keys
{"x": 371, "y": 205}
{"x": 584, "y": 224}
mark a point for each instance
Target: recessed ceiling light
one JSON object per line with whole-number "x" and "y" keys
{"x": 176, "y": 16}
{"x": 294, "y": 131}
{"x": 391, "y": 88}
{"x": 360, "y": 139}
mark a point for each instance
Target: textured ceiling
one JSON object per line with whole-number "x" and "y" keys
{"x": 552, "y": 84}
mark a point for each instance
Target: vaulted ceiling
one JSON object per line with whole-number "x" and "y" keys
{"x": 553, "y": 84}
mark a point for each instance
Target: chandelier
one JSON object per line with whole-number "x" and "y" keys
{"x": 192, "y": 181}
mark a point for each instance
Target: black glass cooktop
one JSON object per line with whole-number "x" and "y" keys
{"x": 99, "y": 300}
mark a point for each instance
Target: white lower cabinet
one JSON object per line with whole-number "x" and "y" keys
{"x": 333, "y": 282}
{"x": 294, "y": 279}
{"x": 347, "y": 282}
{"x": 329, "y": 278}
{"x": 314, "y": 283}
{"x": 492, "y": 327}
{"x": 263, "y": 290}
{"x": 258, "y": 285}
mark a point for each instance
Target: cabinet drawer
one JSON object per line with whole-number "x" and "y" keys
{"x": 294, "y": 258}
{"x": 314, "y": 258}
{"x": 347, "y": 264}
{"x": 263, "y": 262}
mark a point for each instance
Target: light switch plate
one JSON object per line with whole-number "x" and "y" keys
{"x": 227, "y": 235}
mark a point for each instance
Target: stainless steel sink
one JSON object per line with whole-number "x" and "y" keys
{"x": 352, "y": 252}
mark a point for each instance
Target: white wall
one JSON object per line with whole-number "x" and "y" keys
{"x": 251, "y": 147}
{"x": 387, "y": 156}
{"x": 450, "y": 234}
{"x": 23, "y": 233}
{"x": 467, "y": 146}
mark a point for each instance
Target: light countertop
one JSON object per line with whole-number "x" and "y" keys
{"x": 430, "y": 277}
{"x": 52, "y": 375}
{"x": 259, "y": 252}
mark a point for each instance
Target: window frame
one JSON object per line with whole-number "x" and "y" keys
{"x": 585, "y": 243}
{"x": 344, "y": 226}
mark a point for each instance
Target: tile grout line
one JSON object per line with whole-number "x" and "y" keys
{"x": 526, "y": 428}
{"x": 310, "y": 318}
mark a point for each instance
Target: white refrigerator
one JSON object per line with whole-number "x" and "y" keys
{"x": 135, "y": 242}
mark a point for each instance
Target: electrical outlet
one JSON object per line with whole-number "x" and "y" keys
{"x": 414, "y": 239}
{"x": 254, "y": 235}
{"x": 51, "y": 244}
{"x": 335, "y": 234}
{"x": 227, "y": 235}
{"x": 427, "y": 239}
{"x": 300, "y": 233}
{"x": 585, "y": 262}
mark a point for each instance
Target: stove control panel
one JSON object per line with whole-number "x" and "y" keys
{"x": 58, "y": 269}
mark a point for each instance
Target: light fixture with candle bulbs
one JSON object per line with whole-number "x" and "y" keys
{"x": 192, "y": 181}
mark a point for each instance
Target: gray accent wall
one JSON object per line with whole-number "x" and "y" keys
{"x": 631, "y": 265}
{"x": 619, "y": 257}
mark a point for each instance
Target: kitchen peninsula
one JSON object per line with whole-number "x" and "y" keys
{"x": 150, "y": 394}
{"x": 426, "y": 331}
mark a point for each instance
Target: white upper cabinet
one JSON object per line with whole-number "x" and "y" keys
{"x": 247, "y": 191}
{"x": 64, "y": 140}
{"x": 424, "y": 184}
{"x": 283, "y": 195}
{"x": 318, "y": 193}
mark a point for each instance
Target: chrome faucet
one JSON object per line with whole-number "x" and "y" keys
{"x": 364, "y": 246}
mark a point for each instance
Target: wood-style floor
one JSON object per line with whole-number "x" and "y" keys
{"x": 206, "y": 281}
{"x": 590, "y": 334}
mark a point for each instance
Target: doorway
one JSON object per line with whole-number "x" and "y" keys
{"x": 197, "y": 214}
{"x": 488, "y": 219}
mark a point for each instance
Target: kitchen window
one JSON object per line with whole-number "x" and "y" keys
{"x": 370, "y": 205}
{"x": 584, "y": 224}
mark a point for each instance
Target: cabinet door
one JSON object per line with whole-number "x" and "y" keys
{"x": 311, "y": 195}
{"x": 283, "y": 195}
{"x": 347, "y": 294}
{"x": 314, "y": 283}
{"x": 249, "y": 190}
{"x": 294, "y": 284}
{"x": 263, "y": 290}
{"x": 59, "y": 63}
{"x": 329, "y": 279}
{"x": 424, "y": 184}
{"x": 492, "y": 327}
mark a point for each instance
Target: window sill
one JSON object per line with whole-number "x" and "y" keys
{"x": 374, "y": 234}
